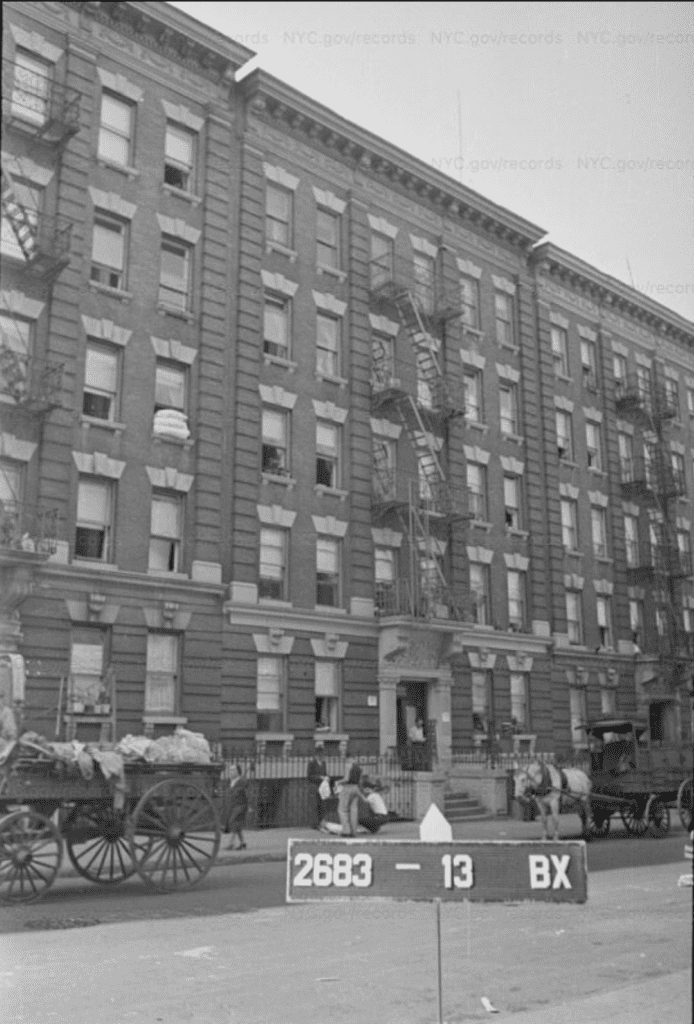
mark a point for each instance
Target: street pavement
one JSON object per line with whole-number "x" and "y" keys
{"x": 623, "y": 957}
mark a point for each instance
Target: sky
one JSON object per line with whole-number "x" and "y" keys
{"x": 577, "y": 117}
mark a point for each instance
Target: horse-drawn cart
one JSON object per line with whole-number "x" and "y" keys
{"x": 159, "y": 820}
{"x": 637, "y": 778}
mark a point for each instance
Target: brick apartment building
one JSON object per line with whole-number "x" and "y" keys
{"x": 303, "y": 439}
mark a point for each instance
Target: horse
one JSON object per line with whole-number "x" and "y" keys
{"x": 546, "y": 784}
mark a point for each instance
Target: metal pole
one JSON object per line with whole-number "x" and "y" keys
{"x": 438, "y": 959}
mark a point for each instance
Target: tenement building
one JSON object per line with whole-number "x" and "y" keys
{"x": 302, "y": 439}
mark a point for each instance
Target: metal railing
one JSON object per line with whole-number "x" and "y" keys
{"x": 435, "y": 297}
{"x": 25, "y": 527}
{"x": 33, "y": 384}
{"x": 633, "y": 396}
{"x": 37, "y": 105}
{"x": 45, "y": 249}
{"x": 433, "y": 497}
{"x": 426, "y": 600}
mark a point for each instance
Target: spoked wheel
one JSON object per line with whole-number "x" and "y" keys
{"x": 31, "y": 849}
{"x": 684, "y": 804}
{"x": 97, "y": 844}
{"x": 599, "y": 821}
{"x": 174, "y": 835}
{"x": 634, "y": 817}
{"x": 658, "y": 816}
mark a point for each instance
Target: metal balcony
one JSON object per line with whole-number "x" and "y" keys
{"x": 37, "y": 106}
{"x": 393, "y": 278}
{"x": 436, "y": 499}
{"x": 652, "y": 403}
{"x": 33, "y": 385}
{"x": 39, "y": 244}
{"x": 415, "y": 599}
{"x": 25, "y": 527}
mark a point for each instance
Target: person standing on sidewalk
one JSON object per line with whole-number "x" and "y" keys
{"x": 317, "y": 775}
{"x": 237, "y": 807}
{"x": 348, "y": 803}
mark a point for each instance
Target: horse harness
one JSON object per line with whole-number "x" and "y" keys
{"x": 545, "y": 787}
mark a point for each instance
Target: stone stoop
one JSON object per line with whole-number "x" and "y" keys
{"x": 461, "y": 807}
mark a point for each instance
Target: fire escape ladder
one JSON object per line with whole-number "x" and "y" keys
{"x": 18, "y": 217}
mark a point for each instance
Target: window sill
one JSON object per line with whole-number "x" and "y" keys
{"x": 512, "y": 531}
{"x": 111, "y": 165}
{"x": 163, "y": 574}
{"x": 284, "y": 481}
{"x": 270, "y": 360}
{"x": 179, "y": 314}
{"x": 476, "y": 425}
{"x": 271, "y": 602}
{"x": 181, "y": 442}
{"x": 340, "y": 381}
{"x": 474, "y": 332}
{"x": 283, "y": 250}
{"x": 563, "y": 376}
{"x": 330, "y": 608}
{"x": 569, "y": 463}
{"x": 152, "y": 718}
{"x": 574, "y": 552}
{"x": 331, "y": 492}
{"x": 518, "y": 439}
{"x": 597, "y": 472}
{"x": 323, "y": 268}
{"x": 94, "y": 421}
{"x": 88, "y": 563}
{"x": 115, "y": 293}
{"x": 482, "y": 524}
{"x": 604, "y": 559}
{"x": 181, "y": 194}
{"x": 509, "y": 347}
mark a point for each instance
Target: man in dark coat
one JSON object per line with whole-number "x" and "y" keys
{"x": 317, "y": 771}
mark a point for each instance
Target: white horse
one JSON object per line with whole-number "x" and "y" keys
{"x": 547, "y": 784}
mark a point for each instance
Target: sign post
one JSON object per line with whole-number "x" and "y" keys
{"x": 457, "y": 871}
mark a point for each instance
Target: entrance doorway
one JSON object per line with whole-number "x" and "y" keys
{"x": 663, "y": 722}
{"x": 412, "y": 710}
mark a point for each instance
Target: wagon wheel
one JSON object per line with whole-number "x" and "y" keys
{"x": 31, "y": 849}
{"x": 97, "y": 844}
{"x": 684, "y": 804}
{"x": 174, "y": 835}
{"x": 634, "y": 817}
{"x": 599, "y": 821}
{"x": 658, "y": 817}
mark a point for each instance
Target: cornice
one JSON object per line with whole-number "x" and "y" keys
{"x": 173, "y": 35}
{"x": 609, "y": 294}
{"x": 278, "y": 104}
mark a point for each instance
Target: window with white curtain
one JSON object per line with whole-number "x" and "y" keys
{"x": 161, "y": 681}
{"x": 327, "y": 682}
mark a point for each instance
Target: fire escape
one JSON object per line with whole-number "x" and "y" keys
{"x": 660, "y": 560}
{"x": 426, "y": 506}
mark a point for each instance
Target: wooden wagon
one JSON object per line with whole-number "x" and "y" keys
{"x": 164, "y": 825}
{"x": 637, "y": 778}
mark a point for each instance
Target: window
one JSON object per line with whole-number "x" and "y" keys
{"x": 672, "y": 395}
{"x": 569, "y": 524}
{"x": 165, "y": 533}
{"x": 565, "y": 436}
{"x": 690, "y": 401}
{"x": 276, "y": 326}
{"x": 328, "y": 345}
{"x": 161, "y": 681}
{"x": 579, "y": 715}
{"x": 384, "y": 477}
{"x": 619, "y": 371}
{"x": 382, "y": 360}
{"x": 431, "y": 576}
{"x": 688, "y": 620}
{"x": 327, "y": 696}
{"x": 278, "y": 215}
{"x": 472, "y": 387}
{"x": 179, "y": 157}
{"x": 424, "y": 281}
{"x": 598, "y": 518}
{"x": 589, "y": 363}
{"x": 328, "y": 571}
{"x": 93, "y": 536}
{"x": 661, "y": 624}
{"x": 18, "y": 240}
{"x": 470, "y": 302}
{"x": 608, "y": 702}
{"x": 30, "y": 88}
{"x": 626, "y": 457}
{"x": 508, "y": 407}
{"x": 15, "y": 346}
{"x": 503, "y": 316}
{"x": 108, "y": 251}
{"x": 174, "y": 275}
{"x": 479, "y": 593}
{"x": 327, "y": 454}
{"x": 679, "y": 474}
{"x": 10, "y": 483}
{"x": 275, "y": 430}
{"x": 271, "y": 694}
{"x": 594, "y": 445}
{"x": 654, "y": 538}
{"x": 636, "y": 619}
{"x": 560, "y": 351}
{"x": 481, "y": 701}
{"x": 169, "y": 386}
{"x": 574, "y": 616}
{"x": 477, "y": 491}
{"x": 631, "y": 540}
{"x": 116, "y": 129}
{"x": 512, "y": 503}
{"x": 643, "y": 384}
{"x": 99, "y": 398}
{"x": 604, "y": 621}
{"x": 327, "y": 239}
{"x": 272, "y": 575}
{"x": 382, "y": 258}
{"x": 385, "y": 573}
{"x": 520, "y": 701}
{"x": 516, "y": 599}
{"x": 87, "y": 658}
{"x": 649, "y": 464}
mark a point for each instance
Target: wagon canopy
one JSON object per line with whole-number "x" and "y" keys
{"x": 617, "y": 725}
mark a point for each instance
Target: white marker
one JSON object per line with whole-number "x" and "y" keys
{"x": 407, "y": 867}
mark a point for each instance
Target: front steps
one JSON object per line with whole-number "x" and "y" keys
{"x": 461, "y": 807}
